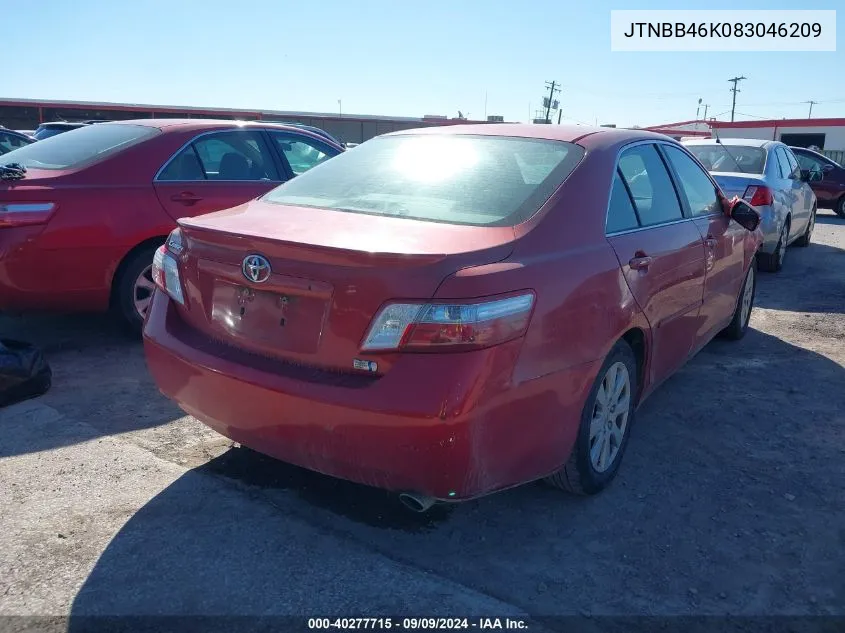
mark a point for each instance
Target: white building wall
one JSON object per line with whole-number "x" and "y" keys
{"x": 834, "y": 136}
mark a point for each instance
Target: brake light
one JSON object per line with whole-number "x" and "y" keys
{"x": 25, "y": 213}
{"x": 449, "y": 326}
{"x": 166, "y": 270}
{"x": 758, "y": 196}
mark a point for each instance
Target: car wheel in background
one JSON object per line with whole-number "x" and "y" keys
{"x": 839, "y": 207}
{"x": 805, "y": 239}
{"x": 744, "y": 304}
{"x": 773, "y": 262}
{"x": 133, "y": 290}
{"x": 605, "y": 426}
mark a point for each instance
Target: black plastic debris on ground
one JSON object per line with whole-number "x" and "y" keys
{"x": 24, "y": 372}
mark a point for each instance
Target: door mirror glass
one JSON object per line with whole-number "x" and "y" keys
{"x": 744, "y": 214}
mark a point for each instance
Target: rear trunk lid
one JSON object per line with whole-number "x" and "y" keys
{"x": 330, "y": 272}
{"x": 735, "y": 183}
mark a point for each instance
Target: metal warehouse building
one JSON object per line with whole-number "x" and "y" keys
{"x": 27, "y": 114}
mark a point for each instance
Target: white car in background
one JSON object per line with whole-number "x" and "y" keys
{"x": 765, "y": 174}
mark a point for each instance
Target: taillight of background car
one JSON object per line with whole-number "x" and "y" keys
{"x": 758, "y": 196}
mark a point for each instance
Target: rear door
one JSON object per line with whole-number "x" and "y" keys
{"x": 661, "y": 254}
{"x": 724, "y": 252}
{"x": 217, "y": 170}
{"x": 804, "y": 195}
{"x": 789, "y": 186}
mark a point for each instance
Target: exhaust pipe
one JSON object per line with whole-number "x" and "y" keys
{"x": 415, "y": 502}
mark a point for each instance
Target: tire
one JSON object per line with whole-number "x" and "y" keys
{"x": 580, "y": 475}
{"x": 807, "y": 236}
{"x": 124, "y": 290}
{"x": 742, "y": 313}
{"x": 839, "y": 207}
{"x": 773, "y": 262}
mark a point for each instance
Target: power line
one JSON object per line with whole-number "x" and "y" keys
{"x": 734, "y": 90}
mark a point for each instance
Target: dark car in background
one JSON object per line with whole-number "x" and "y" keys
{"x": 46, "y": 130}
{"x": 10, "y": 140}
{"x": 827, "y": 178}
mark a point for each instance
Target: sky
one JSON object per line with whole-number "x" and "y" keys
{"x": 400, "y": 58}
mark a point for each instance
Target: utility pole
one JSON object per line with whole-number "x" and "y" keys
{"x": 485, "y": 105}
{"x": 734, "y": 90}
{"x": 559, "y": 115}
{"x": 812, "y": 103}
{"x": 551, "y": 85}
{"x": 340, "y": 110}
{"x": 698, "y": 109}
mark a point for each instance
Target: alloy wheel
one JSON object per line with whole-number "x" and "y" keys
{"x": 610, "y": 417}
{"x": 142, "y": 291}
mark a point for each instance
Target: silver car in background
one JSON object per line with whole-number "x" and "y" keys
{"x": 766, "y": 175}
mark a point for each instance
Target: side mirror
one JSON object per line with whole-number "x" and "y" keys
{"x": 827, "y": 167}
{"x": 744, "y": 214}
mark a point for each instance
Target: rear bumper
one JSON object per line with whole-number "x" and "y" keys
{"x": 451, "y": 426}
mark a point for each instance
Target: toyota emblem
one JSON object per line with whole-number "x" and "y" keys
{"x": 256, "y": 268}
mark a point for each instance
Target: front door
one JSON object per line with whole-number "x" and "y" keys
{"x": 217, "y": 171}
{"x": 724, "y": 251}
{"x": 662, "y": 257}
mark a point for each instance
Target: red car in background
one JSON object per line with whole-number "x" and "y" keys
{"x": 82, "y": 213}
{"x": 452, "y": 311}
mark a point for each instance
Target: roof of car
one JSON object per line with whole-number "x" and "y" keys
{"x": 191, "y": 125}
{"x": 568, "y": 133}
{"x": 747, "y": 142}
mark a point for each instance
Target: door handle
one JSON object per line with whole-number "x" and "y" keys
{"x": 641, "y": 262}
{"x": 711, "y": 242}
{"x": 186, "y": 197}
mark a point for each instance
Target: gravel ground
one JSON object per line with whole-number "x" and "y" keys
{"x": 731, "y": 499}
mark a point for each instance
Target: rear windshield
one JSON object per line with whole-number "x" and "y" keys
{"x": 78, "y": 147}
{"x": 457, "y": 179}
{"x": 741, "y": 158}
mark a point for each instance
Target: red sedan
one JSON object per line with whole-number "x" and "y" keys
{"x": 452, "y": 311}
{"x": 82, "y": 213}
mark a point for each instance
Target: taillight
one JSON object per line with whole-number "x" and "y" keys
{"x": 449, "y": 326}
{"x": 166, "y": 270}
{"x": 25, "y": 213}
{"x": 758, "y": 196}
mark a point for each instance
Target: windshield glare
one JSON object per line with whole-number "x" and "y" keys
{"x": 457, "y": 179}
{"x": 78, "y": 147}
{"x": 730, "y": 158}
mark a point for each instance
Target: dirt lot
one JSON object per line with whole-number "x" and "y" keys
{"x": 731, "y": 499}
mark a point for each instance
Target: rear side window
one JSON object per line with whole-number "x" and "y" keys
{"x": 650, "y": 186}
{"x": 301, "y": 153}
{"x": 223, "y": 156}
{"x": 452, "y": 178}
{"x": 794, "y": 169}
{"x": 695, "y": 184}
{"x": 79, "y": 147}
{"x": 620, "y": 213}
